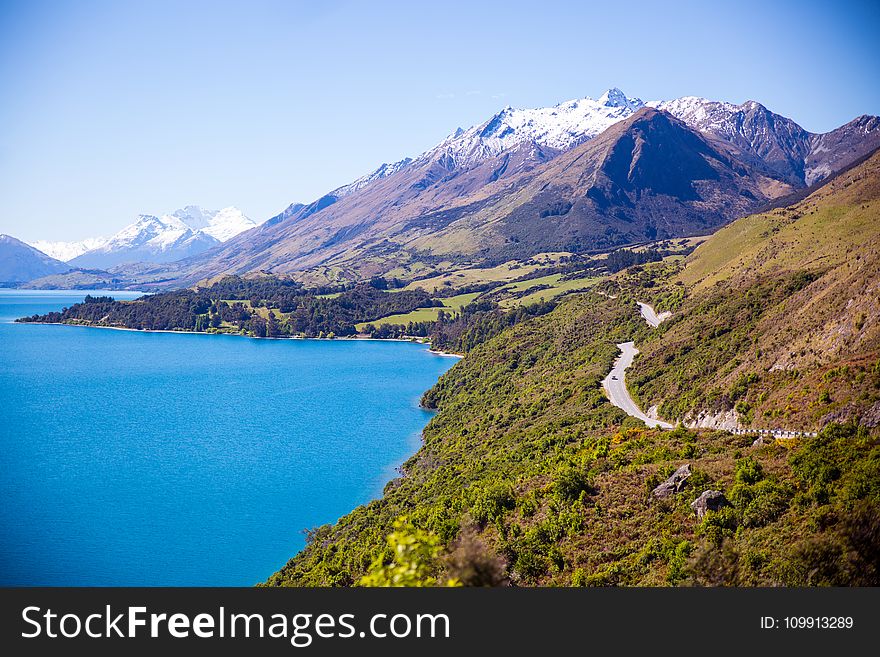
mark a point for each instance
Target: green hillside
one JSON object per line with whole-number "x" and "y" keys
{"x": 529, "y": 476}
{"x": 782, "y": 320}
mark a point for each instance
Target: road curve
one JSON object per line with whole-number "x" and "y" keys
{"x": 651, "y": 316}
{"x": 615, "y": 386}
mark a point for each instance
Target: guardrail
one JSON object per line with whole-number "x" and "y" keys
{"x": 774, "y": 433}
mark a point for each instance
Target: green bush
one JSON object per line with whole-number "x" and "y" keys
{"x": 490, "y": 503}
{"x": 569, "y": 483}
{"x": 748, "y": 471}
{"x": 718, "y": 525}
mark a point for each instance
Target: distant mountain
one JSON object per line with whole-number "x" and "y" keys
{"x": 181, "y": 234}
{"x": 66, "y": 251}
{"x": 20, "y": 262}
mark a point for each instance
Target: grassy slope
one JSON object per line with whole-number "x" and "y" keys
{"x": 783, "y": 318}
{"x": 528, "y": 462}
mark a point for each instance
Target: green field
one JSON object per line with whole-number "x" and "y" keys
{"x": 502, "y": 273}
{"x": 557, "y": 288}
{"x": 454, "y": 304}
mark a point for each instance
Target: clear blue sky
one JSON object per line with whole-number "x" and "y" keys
{"x": 110, "y": 109}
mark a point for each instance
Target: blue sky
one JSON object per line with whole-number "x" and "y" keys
{"x": 111, "y": 109}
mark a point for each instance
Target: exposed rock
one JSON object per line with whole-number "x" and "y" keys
{"x": 675, "y": 482}
{"x": 759, "y": 442}
{"x": 653, "y": 412}
{"x": 709, "y": 500}
{"x": 726, "y": 420}
{"x": 869, "y": 417}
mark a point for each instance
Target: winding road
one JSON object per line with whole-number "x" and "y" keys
{"x": 615, "y": 385}
{"x": 651, "y": 316}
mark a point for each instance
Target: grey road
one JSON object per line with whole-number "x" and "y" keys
{"x": 615, "y": 385}
{"x": 650, "y": 315}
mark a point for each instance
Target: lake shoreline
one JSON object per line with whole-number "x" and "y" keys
{"x": 436, "y": 352}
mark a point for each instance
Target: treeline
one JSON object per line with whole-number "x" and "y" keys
{"x": 623, "y": 258}
{"x": 460, "y": 332}
{"x": 264, "y": 307}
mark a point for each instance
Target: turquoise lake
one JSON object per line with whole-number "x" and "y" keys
{"x": 163, "y": 459}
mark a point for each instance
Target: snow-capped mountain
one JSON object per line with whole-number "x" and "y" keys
{"x": 774, "y": 140}
{"x": 181, "y": 234}
{"x": 219, "y": 224}
{"x": 559, "y": 127}
{"x": 802, "y": 157}
{"x": 67, "y": 251}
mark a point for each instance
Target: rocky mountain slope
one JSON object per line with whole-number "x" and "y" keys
{"x": 21, "y": 262}
{"x": 802, "y": 158}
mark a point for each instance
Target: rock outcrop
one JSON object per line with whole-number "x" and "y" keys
{"x": 709, "y": 500}
{"x": 675, "y": 482}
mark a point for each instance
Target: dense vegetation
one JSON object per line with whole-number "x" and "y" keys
{"x": 460, "y": 332}
{"x": 261, "y": 307}
{"x": 528, "y": 476}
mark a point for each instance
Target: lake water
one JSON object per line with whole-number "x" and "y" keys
{"x": 131, "y": 458}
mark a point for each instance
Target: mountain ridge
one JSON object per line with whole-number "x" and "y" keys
{"x": 434, "y": 209}
{"x": 160, "y": 239}
{"x": 20, "y": 262}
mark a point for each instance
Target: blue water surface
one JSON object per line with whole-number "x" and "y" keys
{"x": 134, "y": 458}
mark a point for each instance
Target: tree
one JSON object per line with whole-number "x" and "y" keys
{"x": 273, "y": 330}
{"x": 415, "y": 554}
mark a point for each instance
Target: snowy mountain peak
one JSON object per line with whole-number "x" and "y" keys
{"x": 559, "y": 127}
{"x": 614, "y": 97}
{"x": 66, "y": 251}
{"x": 221, "y": 224}
{"x": 152, "y": 238}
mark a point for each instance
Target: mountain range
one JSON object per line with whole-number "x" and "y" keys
{"x": 584, "y": 175}
{"x": 166, "y": 238}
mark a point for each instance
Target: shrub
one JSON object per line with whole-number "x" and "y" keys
{"x": 769, "y": 501}
{"x": 569, "y": 483}
{"x": 414, "y": 557}
{"x": 718, "y": 525}
{"x": 530, "y": 564}
{"x": 491, "y": 502}
{"x": 748, "y": 471}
